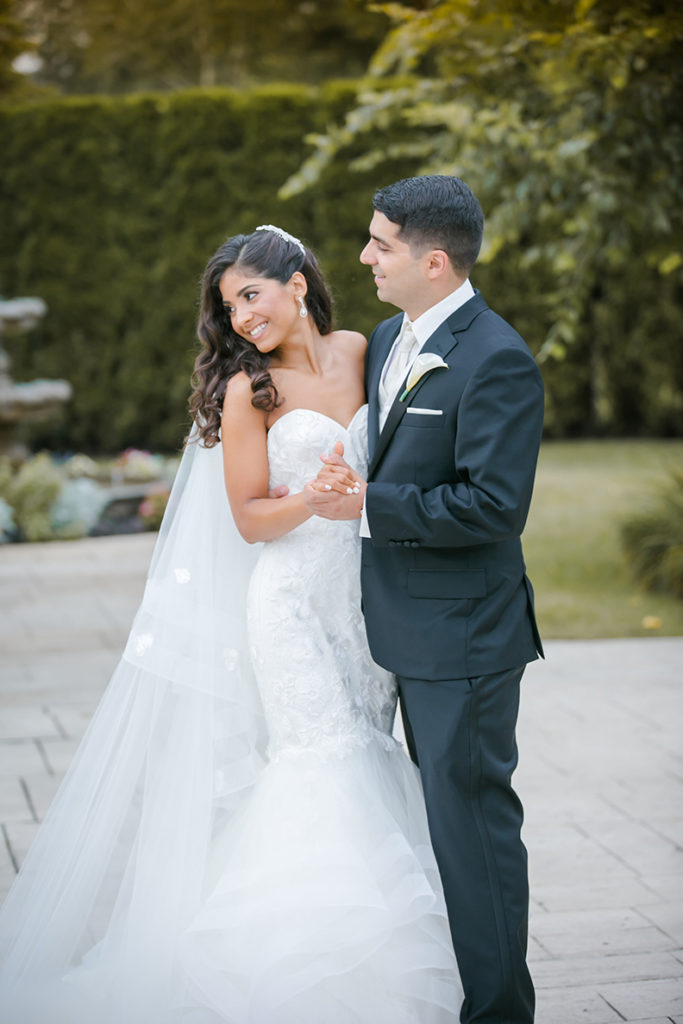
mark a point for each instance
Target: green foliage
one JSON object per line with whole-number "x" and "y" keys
{"x": 653, "y": 540}
{"x": 13, "y": 41}
{"x": 110, "y": 209}
{"x": 91, "y": 46}
{"x": 565, "y": 119}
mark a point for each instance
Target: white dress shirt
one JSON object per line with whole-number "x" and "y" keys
{"x": 423, "y": 327}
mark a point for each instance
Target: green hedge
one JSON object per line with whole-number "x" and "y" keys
{"x": 110, "y": 208}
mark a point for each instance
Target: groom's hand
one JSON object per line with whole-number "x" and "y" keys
{"x": 338, "y": 491}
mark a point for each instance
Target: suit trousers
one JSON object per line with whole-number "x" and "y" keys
{"x": 461, "y": 734}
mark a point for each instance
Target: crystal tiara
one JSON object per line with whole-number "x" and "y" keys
{"x": 283, "y": 234}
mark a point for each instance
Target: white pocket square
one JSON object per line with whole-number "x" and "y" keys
{"x": 424, "y": 412}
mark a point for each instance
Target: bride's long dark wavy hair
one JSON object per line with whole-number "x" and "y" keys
{"x": 224, "y": 353}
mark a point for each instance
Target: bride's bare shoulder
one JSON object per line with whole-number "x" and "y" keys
{"x": 350, "y": 341}
{"x": 238, "y": 396}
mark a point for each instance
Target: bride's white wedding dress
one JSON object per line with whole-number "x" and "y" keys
{"x": 239, "y": 839}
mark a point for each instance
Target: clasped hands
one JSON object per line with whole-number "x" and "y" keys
{"x": 338, "y": 492}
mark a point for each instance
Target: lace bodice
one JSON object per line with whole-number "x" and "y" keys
{"x": 318, "y": 683}
{"x": 298, "y": 439}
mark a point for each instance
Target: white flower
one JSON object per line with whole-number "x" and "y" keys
{"x": 182, "y": 575}
{"x": 424, "y": 363}
{"x": 143, "y": 641}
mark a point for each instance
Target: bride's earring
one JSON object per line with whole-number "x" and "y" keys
{"x": 303, "y": 312}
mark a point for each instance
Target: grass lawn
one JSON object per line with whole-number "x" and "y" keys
{"x": 574, "y": 559}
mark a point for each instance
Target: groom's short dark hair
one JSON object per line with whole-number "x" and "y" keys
{"x": 435, "y": 210}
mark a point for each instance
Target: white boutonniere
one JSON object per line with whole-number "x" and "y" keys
{"x": 424, "y": 363}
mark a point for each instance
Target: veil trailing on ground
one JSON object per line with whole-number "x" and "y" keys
{"x": 175, "y": 745}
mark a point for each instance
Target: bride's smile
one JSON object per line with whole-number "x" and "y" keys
{"x": 265, "y": 312}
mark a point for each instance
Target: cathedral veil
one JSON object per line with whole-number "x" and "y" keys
{"x": 175, "y": 744}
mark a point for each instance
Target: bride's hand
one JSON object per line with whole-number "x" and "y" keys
{"x": 336, "y": 474}
{"x": 337, "y": 492}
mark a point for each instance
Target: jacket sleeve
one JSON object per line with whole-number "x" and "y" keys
{"x": 498, "y": 433}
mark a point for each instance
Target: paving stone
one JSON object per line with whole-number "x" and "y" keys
{"x": 573, "y": 1006}
{"x": 71, "y": 719}
{"x": 84, "y": 674}
{"x": 7, "y": 876}
{"x": 20, "y": 758}
{"x": 14, "y": 669}
{"x": 670, "y": 828}
{"x": 20, "y": 835}
{"x": 594, "y": 933}
{"x": 640, "y": 848}
{"x": 665, "y": 886}
{"x": 59, "y": 754}
{"x": 580, "y": 803}
{"x": 25, "y": 722}
{"x": 667, "y": 916}
{"x": 637, "y": 801}
{"x": 15, "y": 805}
{"x": 562, "y": 851}
{"x": 40, "y": 790}
{"x": 636, "y": 999}
{"x": 653, "y": 1020}
{"x": 536, "y": 952}
{"x": 593, "y": 893}
{"x": 583, "y": 971}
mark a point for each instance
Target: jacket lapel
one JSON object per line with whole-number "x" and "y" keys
{"x": 378, "y": 351}
{"x": 443, "y": 340}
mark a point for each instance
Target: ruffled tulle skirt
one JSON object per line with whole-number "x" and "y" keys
{"x": 320, "y": 903}
{"x": 327, "y": 903}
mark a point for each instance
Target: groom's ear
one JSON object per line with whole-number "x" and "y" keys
{"x": 437, "y": 263}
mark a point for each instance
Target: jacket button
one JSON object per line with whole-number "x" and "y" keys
{"x": 414, "y": 544}
{"x": 392, "y": 543}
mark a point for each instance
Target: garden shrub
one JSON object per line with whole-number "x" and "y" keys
{"x": 653, "y": 540}
{"x": 30, "y": 494}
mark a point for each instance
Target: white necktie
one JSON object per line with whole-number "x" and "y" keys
{"x": 399, "y": 361}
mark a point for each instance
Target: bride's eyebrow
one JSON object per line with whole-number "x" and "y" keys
{"x": 241, "y": 292}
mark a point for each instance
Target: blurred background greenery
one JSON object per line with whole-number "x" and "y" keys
{"x": 136, "y": 140}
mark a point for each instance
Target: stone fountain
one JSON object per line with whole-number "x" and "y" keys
{"x": 24, "y": 402}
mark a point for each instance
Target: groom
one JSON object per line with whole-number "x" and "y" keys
{"x": 447, "y": 604}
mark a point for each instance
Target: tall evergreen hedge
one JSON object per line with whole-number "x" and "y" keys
{"x": 109, "y": 209}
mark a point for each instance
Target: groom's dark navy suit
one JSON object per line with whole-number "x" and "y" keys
{"x": 449, "y": 609}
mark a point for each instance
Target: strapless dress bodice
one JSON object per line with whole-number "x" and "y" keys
{"x": 298, "y": 438}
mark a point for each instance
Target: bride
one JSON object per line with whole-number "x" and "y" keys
{"x": 239, "y": 839}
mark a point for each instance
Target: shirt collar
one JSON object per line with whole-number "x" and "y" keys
{"x": 426, "y": 323}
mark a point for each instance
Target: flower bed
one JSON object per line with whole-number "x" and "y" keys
{"x": 57, "y": 498}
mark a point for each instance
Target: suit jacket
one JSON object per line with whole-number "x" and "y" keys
{"x": 445, "y": 593}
